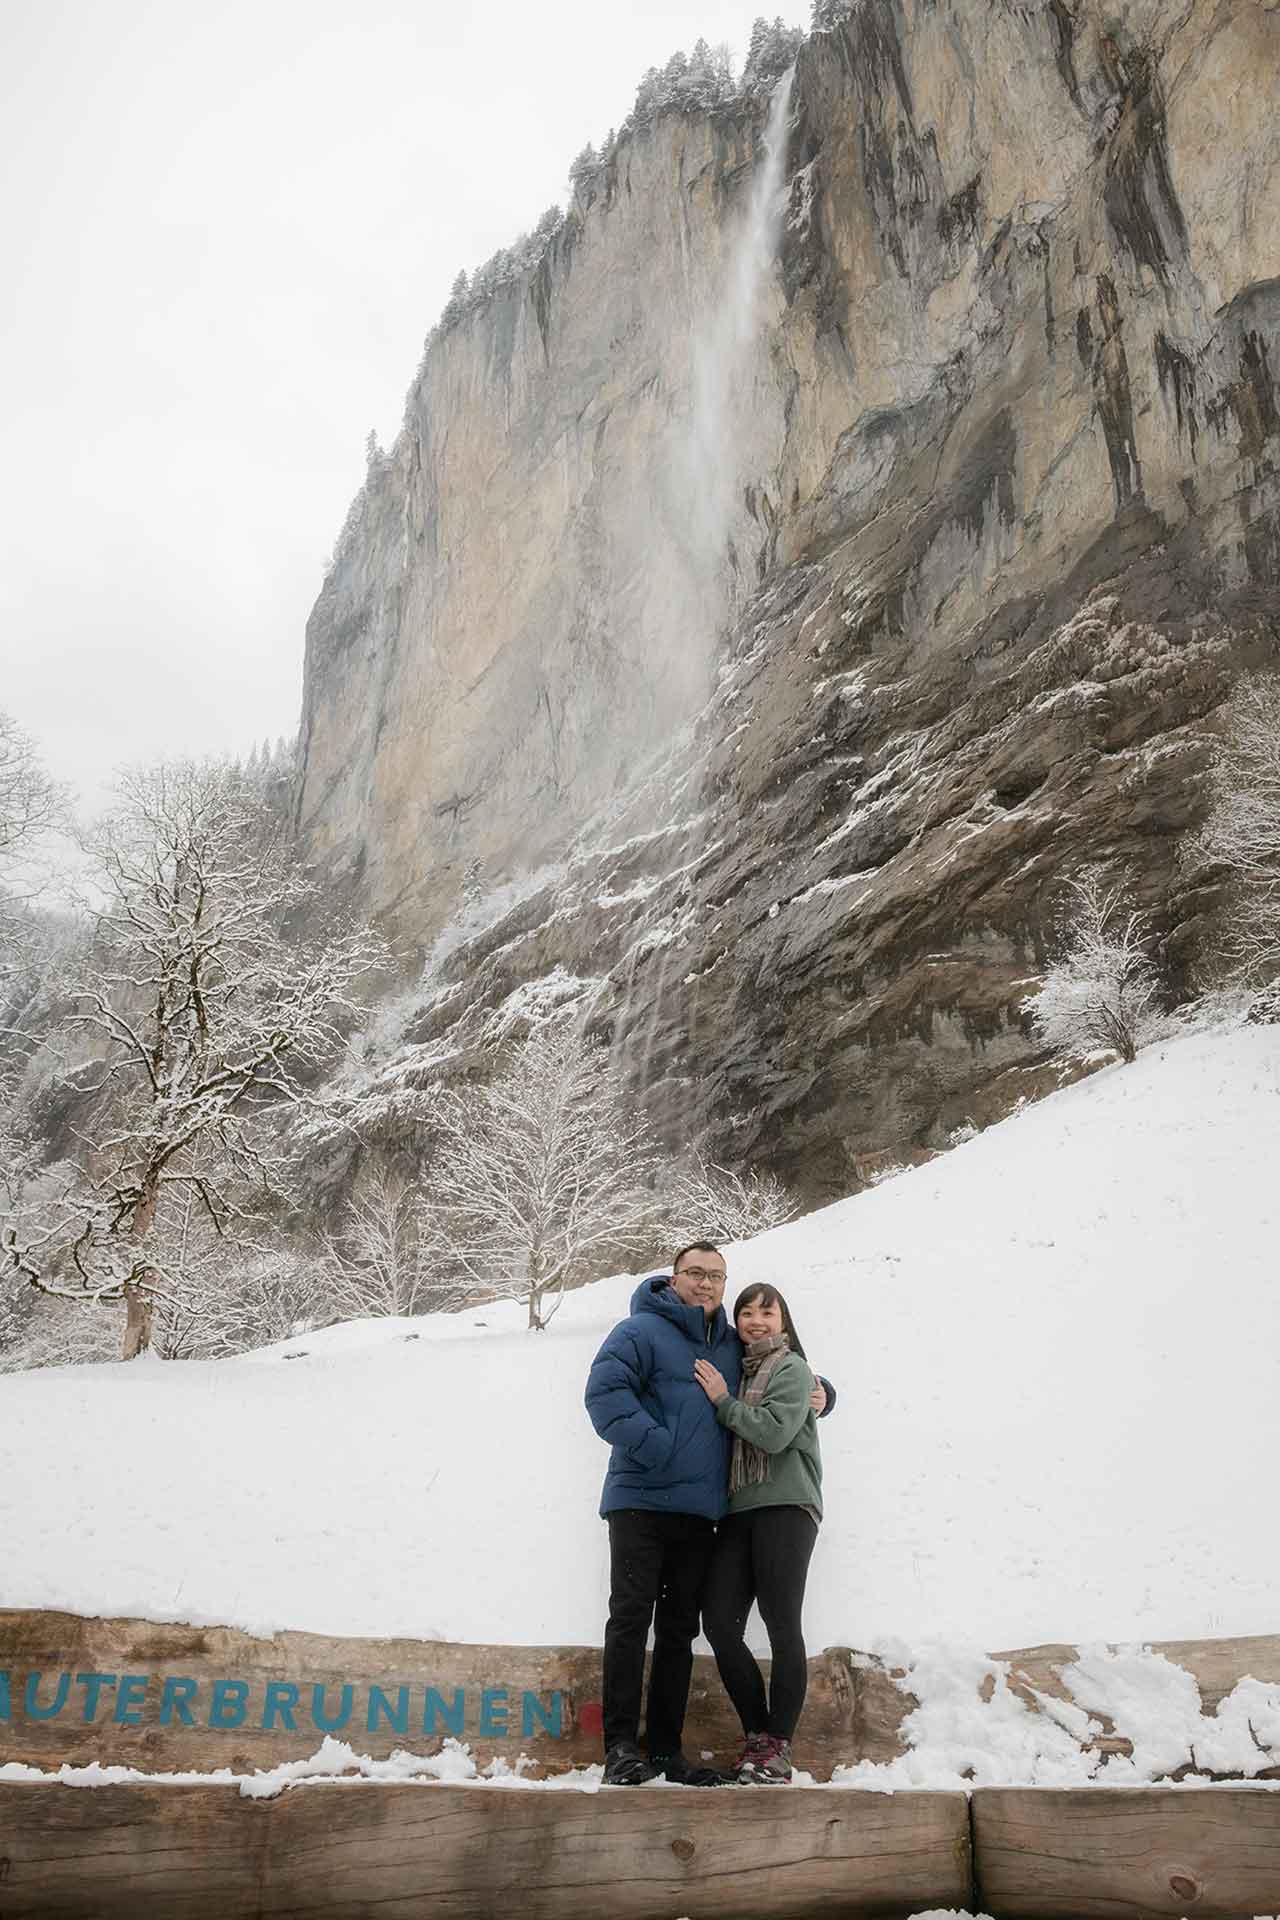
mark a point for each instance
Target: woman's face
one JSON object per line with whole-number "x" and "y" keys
{"x": 758, "y": 1322}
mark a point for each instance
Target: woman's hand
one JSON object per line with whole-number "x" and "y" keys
{"x": 818, "y": 1398}
{"x": 711, "y": 1380}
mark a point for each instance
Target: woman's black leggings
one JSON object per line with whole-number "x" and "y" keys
{"x": 761, "y": 1556}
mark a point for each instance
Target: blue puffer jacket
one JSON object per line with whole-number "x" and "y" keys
{"x": 670, "y": 1453}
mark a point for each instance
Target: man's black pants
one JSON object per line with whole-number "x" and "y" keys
{"x": 658, "y": 1566}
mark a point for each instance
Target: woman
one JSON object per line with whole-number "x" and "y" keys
{"x": 763, "y": 1545}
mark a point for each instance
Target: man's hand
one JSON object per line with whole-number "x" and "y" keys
{"x": 818, "y": 1398}
{"x": 711, "y": 1380}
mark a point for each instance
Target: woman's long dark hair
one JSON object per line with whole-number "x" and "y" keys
{"x": 770, "y": 1297}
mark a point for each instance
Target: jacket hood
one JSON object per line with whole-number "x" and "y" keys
{"x": 657, "y": 1295}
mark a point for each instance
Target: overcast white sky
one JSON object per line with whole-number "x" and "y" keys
{"x": 225, "y": 233}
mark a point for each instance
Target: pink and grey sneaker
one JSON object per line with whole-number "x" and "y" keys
{"x": 764, "y": 1762}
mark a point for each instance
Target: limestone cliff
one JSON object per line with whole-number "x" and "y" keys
{"x": 805, "y": 719}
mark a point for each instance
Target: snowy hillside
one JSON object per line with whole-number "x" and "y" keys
{"x": 1056, "y": 1349}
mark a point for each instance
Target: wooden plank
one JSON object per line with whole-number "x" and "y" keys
{"x": 388, "y": 1851}
{"x": 540, "y": 1701}
{"x": 1127, "y": 1853}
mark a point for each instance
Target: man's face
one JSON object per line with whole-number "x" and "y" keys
{"x": 699, "y": 1280}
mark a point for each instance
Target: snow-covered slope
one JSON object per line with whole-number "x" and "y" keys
{"x": 1057, "y": 1351}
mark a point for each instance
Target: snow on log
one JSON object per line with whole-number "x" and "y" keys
{"x": 1035, "y": 1676}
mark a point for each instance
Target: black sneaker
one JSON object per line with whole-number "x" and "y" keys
{"x": 626, "y": 1766}
{"x": 682, "y": 1772}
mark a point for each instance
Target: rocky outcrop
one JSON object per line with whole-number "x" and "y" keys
{"x": 1004, "y": 523}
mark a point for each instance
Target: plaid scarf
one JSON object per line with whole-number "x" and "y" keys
{"x": 750, "y": 1464}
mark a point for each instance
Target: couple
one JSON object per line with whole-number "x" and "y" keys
{"x": 709, "y": 1422}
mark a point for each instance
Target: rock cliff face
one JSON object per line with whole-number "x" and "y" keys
{"x": 794, "y": 714}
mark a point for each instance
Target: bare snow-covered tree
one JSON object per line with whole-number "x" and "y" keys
{"x": 379, "y": 1261}
{"x": 722, "y": 1205}
{"x": 1242, "y": 830}
{"x": 200, "y": 1007}
{"x": 1102, "y": 989}
{"x": 31, "y": 803}
{"x": 540, "y": 1174}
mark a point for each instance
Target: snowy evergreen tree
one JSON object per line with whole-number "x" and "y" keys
{"x": 709, "y": 80}
{"x": 648, "y": 97}
{"x": 456, "y": 305}
{"x": 827, "y": 14}
{"x": 772, "y": 49}
{"x": 583, "y": 168}
{"x": 486, "y": 277}
{"x": 674, "y": 75}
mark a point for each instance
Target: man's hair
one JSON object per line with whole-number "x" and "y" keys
{"x": 695, "y": 1246}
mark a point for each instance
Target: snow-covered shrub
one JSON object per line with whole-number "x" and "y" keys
{"x": 268, "y": 1294}
{"x": 720, "y": 1205}
{"x": 1102, "y": 990}
{"x": 40, "y": 1332}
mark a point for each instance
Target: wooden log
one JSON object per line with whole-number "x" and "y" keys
{"x": 460, "y": 1853}
{"x": 503, "y": 1701}
{"x": 1126, "y": 1853}
{"x": 138, "y": 1693}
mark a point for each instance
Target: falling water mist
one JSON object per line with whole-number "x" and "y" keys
{"x": 723, "y": 348}
{"x": 692, "y": 601}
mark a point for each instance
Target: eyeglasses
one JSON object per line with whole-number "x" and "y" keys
{"x": 701, "y": 1273}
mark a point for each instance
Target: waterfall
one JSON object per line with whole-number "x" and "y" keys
{"x": 690, "y": 601}
{"x": 723, "y": 347}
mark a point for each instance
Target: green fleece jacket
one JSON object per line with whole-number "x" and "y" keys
{"x": 784, "y": 1426}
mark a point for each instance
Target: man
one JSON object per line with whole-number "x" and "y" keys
{"x": 665, "y": 1488}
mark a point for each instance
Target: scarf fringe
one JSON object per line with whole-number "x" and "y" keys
{"x": 751, "y": 1465}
